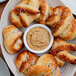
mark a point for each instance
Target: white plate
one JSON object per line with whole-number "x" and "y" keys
{"x": 3, "y": 68}
{"x": 67, "y": 69}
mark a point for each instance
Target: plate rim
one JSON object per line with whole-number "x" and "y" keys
{"x": 2, "y": 48}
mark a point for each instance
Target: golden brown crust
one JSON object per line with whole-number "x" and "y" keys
{"x": 46, "y": 65}
{"x": 61, "y": 45}
{"x": 60, "y": 62}
{"x": 50, "y": 11}
{"x": 15, "y": 20}
{"x": 8, "y": 30}
{"x": 41, "y": 70}
{"x": 44, "y": 9}
{"x": 61, "y": 49}
{"x": 26, "y": 9}
{"x": 51, "y": 20}
{"x": 25, "y": 13}
{"x": 24, "y": 19}
{"x": 12, "y": 39}
{"x": 24, "y": 1}
{"x": 38, "y": 70}
{"x": 63, "y": 14}
{"x": 62, "y": 22}
{"x": 65, "y": 56}
{"x": 34, "y": 3}
{"x": 67, "y": 47}
{"x": 49, "y": 61}
{"x": 70, "y": 32}
{"x": 25, "y": 60}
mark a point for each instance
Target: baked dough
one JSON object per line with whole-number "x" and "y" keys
{"x": 25, "y": 60}
{"x": 12, "y": 39}
{"x": 25, "y": 13}
{"x": 62, "y": 22}
{"x": 46, "y": 66}
{"x": 61, "y": 49}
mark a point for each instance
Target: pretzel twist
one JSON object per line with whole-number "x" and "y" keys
{"x": 31, "y": 65}
{"x": 25, "y": 60}
{"x": 12, "y": 39}
{"x": 61, "y": 50}
{"x": 46, "y": 65}
{"x": 24, "y": 13}
{"x": 62, "y": 23}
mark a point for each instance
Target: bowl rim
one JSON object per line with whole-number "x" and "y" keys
{"x": 40, "y": 51}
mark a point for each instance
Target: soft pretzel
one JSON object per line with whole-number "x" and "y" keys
{"x": 25, "y": 13}
{"x": 62, "y": 23}
{"x": 25, "y": 60}
{"x": 61, "y": 50}
{"x": 60, "y": 12}
{"x": 46, "y": 65}
{"x": 12, "y": 39}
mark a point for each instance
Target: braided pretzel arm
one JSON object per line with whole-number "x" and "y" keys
{"x": 61, "y": 44}
{"x": 61, "y": 49}
{"x": 15, "y": 20}
{"x": 26, "y": 19}
{"x": 44, "y": 9}
{"x": 25, "y": 60}
{"x": 52, "y": 19}
{"x": 65, "y": 56}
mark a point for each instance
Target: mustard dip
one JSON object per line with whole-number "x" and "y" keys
{"x": 38, "y": 38}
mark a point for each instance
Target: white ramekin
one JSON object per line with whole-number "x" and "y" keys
{"x": 41, "y": 51}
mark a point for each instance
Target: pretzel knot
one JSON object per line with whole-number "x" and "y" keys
{"x": 62, "y": 23}
{"x": 12, "y": 39}
{"x": 25, "y": 60}
{"x": 24, "y": 13}
{"x": 61, "y": 49}
{"x": 45, "y": 66}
